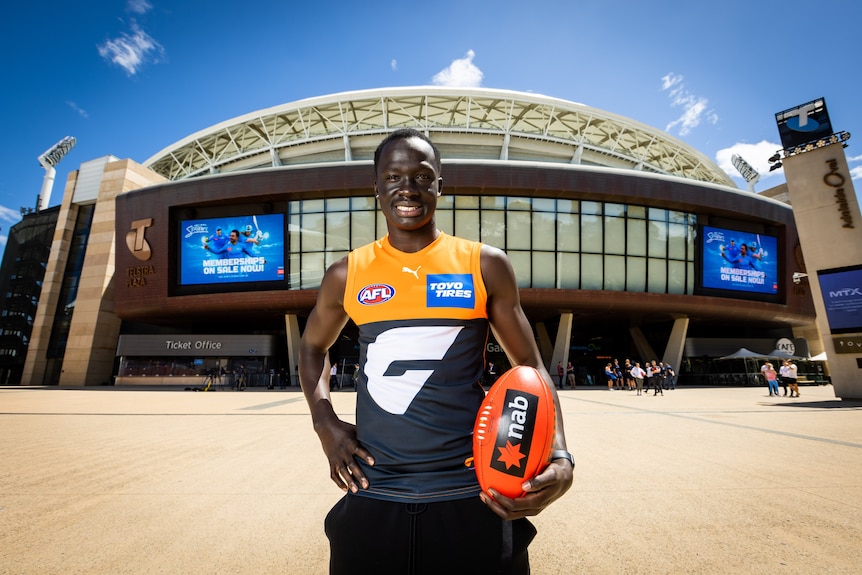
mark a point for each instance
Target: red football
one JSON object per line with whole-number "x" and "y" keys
{"x": 514, "y": 431}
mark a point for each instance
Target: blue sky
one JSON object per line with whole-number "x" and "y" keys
{"x": 132, "y": 77}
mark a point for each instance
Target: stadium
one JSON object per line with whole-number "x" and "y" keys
{"x": 208, "y": 255}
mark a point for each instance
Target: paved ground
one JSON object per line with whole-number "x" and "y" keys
{"x": 113, "y": 481}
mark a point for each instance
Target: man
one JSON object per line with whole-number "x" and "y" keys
{"x": 638, "y": 374}
{"x": 789, "y": 377}
{"x": 231, "y": 249}
{"x": 215, "y": 242}
{"x": 412, "y": 502}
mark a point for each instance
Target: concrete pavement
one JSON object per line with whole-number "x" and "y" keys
{"x": 125, "y": 480}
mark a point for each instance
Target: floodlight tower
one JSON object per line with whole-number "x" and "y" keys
{"x": 50, "y": 158}
{"x": 749, "y": 174}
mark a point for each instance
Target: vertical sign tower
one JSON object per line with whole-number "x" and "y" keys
{"x": 830, "y": 232}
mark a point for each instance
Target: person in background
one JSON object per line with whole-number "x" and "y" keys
{"x": 790, "y": 378}
{"x": 771, "y": 379}
{"x": 638, "y": 375}
{"x": 611, "y": 376}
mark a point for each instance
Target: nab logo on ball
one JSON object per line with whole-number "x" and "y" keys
{"x": 515, "y": 433}
{"x": 375, "y": 294}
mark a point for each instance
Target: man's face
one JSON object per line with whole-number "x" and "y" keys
{"x": 234, "y": 237}
{"x": 408, "y": 184}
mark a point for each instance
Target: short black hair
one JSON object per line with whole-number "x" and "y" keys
{"x": 406, "y": 134}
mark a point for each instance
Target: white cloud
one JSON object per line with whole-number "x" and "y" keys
{"x": 855, "y": 159}
{"x": 695, "y": 109}
{"x": 9, "y": 215}
{"x": 756, "y": 155}
{"x": 81, "y": 112}
{"x": 394, "y": 64}
{"x": 856, "y": 173}
{"x": 461, "y": 73}
{"x": 131, "y": 51}
{"x": 139, "y": 6}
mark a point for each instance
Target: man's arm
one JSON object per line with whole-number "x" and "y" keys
{"x": 515, "y": 336}
{"x": 337, "y": 437}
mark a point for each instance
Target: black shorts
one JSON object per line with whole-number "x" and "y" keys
{"x": 448, "y": 537}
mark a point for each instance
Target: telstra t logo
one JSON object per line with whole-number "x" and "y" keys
{"x": 799, "y": 120}
{"x": 136, "y": 242}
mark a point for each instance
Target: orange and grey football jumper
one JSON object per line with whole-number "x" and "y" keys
{"x": 423, "y": 326}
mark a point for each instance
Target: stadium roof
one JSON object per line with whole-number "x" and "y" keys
{"x": 465, "y": 123}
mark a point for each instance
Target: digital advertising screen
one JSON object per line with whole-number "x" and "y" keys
{"x": 740, "y": 261}
{"x": 231, "y": 249}
{"x": 842, "y": 296}
{"x": 804, "y": 123}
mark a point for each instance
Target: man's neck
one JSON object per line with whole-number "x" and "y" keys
{"x": 412, "y": 241}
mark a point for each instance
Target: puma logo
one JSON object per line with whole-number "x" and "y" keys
{"x": 415, "y": 272}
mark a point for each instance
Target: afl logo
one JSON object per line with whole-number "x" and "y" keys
{"x": 375, "y": 294}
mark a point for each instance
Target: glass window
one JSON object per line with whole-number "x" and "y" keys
{"x": 445, "y": 221}
{"x": 466, "y": 202}
{"x": 658, "y": 214}
{"x": 591, "y": 233}
{"x": 363, "y": 203}
{"x": 543, "y": 231}
{"x": 312, "y": 267}
{"x": 543, "y": 270}
{"x": 332, "y": 257}
{"x": 518, "y": 204}
{"x": 591, "y": 271}
{"x": 445, "y": 203}
{"x": 312, "y": 206}
{"x": 676, "y": 277}
{"x": 638, "y": 212}
{"x": 593, "y": 208}
{"x": 293, "y": 233}
{"x": 568, "y": 206}
{"x": 569, "y": 271}
{"x": 338, "y": 231}
{"x": 565, "y": 244}
{"x": 568, "y": 232}
{"x": 467, "y": 224}
{"x": 636, "y": 237}
{"x": 636, "y": 274}
{"x": 294, "y": 279}
{"x": 313, "y": 232}
{"x": 615, "y": 235}
{"x": 615, "y": 273}
{"x": 544, "y": 205}
{"x": 676, "y": 241}
{"x": 521, "y": 264}
{"x": 361, "y": 229}
{"x": 338, "y": 205}
{"x": 618, "y": 210}
{"x": 492, "y": 202}
{"x": 518, "y": 231}
{"x": 493, "y": 228}
{"x": 657, "y": 276}
{"x": 658, "y": 239}
{"x": 677, "y": 217}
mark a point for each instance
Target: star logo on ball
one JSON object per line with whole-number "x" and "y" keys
{"x": 511, "y": 455}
